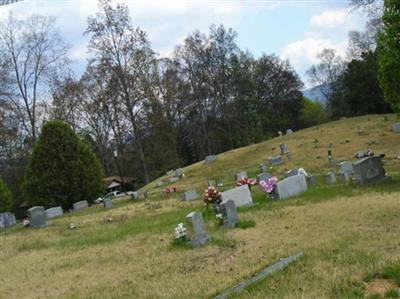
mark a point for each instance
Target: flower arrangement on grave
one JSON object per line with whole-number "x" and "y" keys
{"x": 212, "y": 196}
{"x": 246, "y": 181}
{"x": 268, "y": 186}
{"x": 169, "y": 190}
{"x": 180, "y": 232}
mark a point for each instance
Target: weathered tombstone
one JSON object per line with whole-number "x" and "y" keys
{"x": 179, "y": 173}
{"x": 79, "y": 205}
{"x": 189, "y": 195}
{"x": 331, "y": 162}
{"x": 263, "y": 168}
{"x": 274, "y": 161}
{"x": 209, "y": 159}
{"x": 170, "y": 173}
{"x": 107, "y": 203}
{"x": 280, "y": 134}
{"x": 196, "y": 230}
{"x": 344, "y": 177}
{"x": 240, "y": 195}
{"x": 331, "y": 178}
{"x": 135, "y": 194}
{"x": 284, "y": 148}
{"x": 263, "y": 177}
{"x": 173, "y": 180}
{"x": 346, "y": 167}
{"x": 289, "y": 131}
{"x": 37, "y": 217}
{"x": 159, "y": 184}
{"x": 7, "y": 220}
{"x": 54, "y": 212}
{"x": 312, "y": 180}
{"x": 291, "y": 186}
{"x": 219, "y": 182}
{"x": 289, "y": 156}
{"x": 396, "y": 127}
{"x": 241, "y": 175}
{"x": 229, "y": 214}
{"x": 369, "y": 170}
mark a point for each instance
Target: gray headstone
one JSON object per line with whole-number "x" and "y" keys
{"x": 284, "y": 148}
{"x": 79, "y": 205}
{"x": 229, "y": 213}
{"x": 7, "y": 220}
{"x": 173, "y": 180}
{"x": 209, "y": 159}
{"x": 107, "y": 203}
{"x": 135, "y": 194}
{"x": 159, "y": 184}
{"x": 54, "y": 212}
{"x": 331, "y": 162}
{"x": 312, "y": 180}
{"x": 263, "y": 168}
{"x": 396, "y": 127}
{"x": 346, "y": 167}
{"x": 179, "y": 173}
{"x": 196, "y": 231}
{"x": 344, "y": 177}
{"x": 37, "y": 217}
{"x": 263, "y": 177}
{"x": 289, "y": 131}
{"x": 240, "y": 195}
{"x": 291, "y": 186}
{"x": 170, "y": 173}
{"x": 292, "y": 172}
{"x": 280, "y": 133}
{"x": 190, "y": 195}
{"x": 331, "y": 178}
{"x": 369, "y": 170}
{"x": 241, "y": 175}
{"x": 274, "y": 161}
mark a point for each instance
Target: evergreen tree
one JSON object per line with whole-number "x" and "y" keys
{"x": 62, "y": 169}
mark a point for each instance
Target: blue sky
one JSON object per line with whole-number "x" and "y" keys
{"x": 293, "y": 30}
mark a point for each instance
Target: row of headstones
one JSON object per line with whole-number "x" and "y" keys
{"x": 173, "y": 177}
{"x": 196, "y": 231}
{"x": 288, "y": 132}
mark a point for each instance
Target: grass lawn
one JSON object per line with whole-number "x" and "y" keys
{"x": 349, "y": 234}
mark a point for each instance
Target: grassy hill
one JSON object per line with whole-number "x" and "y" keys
{"x": 349, "y": 234}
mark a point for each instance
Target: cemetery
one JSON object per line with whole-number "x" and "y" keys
{"x": 329, "y": 214}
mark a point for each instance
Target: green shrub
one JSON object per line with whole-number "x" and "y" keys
{"x": 5, "y": 198}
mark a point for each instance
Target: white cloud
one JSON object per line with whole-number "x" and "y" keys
{"x": 331, "y": 19}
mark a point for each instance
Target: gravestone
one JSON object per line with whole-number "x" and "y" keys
{"x": 229, "y": 214}
{"x": 289, "y": 156}
{"x": 263, "y": 168}
{"x": 241, "y": 175}
{"x": 196, "y": 230}
{"x": 209, "y": 159}
{"x": 179, "y": 173}
{"x": 107, "y": 203}
{"x": 274, "y": 161}
{"x": 240, "y": 195}
{"x": 284, "y": 148}
{"x": 135, "y": 194}
{"x": 396, "y": 127}
{"x": 37, "y": 217}
{"x": 263, "y": 177}
{"x": 369, "y": 170}
{"x": 79, "y": 205}
{"x": 291, "y": 186}
{"x": 331, "y": 178}
{"x": 219, "y": 182}
{"x": 7, "y": 220}
{"x": 173, "y": 180}
{"x": 312, "y": 180}
{"x": 159, "y": 184}
{"x": 346, "y": 167}
{"x": 170, "y": 173}
{"x": 190, "y": 195}
{"x": 54, "y": 212}
{"x": 289, "y": 131}
{"x": 296, "y": 172}
{"x": 344, "y": 177}
{"x": 280, "y": 134}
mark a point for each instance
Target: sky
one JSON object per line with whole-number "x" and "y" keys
{"x": 296, "y": 30}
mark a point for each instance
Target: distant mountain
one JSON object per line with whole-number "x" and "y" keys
{"x": 315, "y": 94}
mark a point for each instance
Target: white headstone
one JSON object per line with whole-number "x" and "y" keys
{"x": 7, "y": 219}
{"x": 79, "y": 205}
{"x": 209, "y": 159}
{"x": 240, "y": 195}
{"x": 54, "y": 212}
{"x": 291, "y": 186}
{"x": 190, "y": 195}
